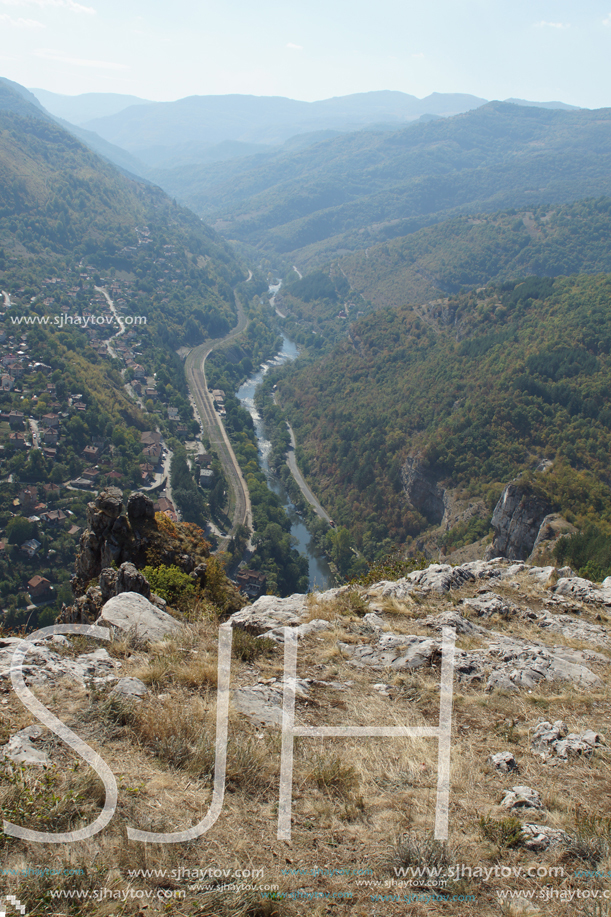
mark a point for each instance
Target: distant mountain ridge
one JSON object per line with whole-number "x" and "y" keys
{"x": 354, "y": 190}
{"x": 165, "y": 133}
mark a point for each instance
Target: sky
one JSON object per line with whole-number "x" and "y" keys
{"x": 542, "y": 50}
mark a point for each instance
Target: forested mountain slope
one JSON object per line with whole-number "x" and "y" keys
{"x": 360, "y": 188}
{"x": 443, "y": 259}
{"x": 58, "y": 200}
{"x": 479, "y": 388}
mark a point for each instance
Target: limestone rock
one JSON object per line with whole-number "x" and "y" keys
{"x": 489, "y": 603}
{"x": 19, "y": 748}
{"x": 504, "y": 762}
{"x": 130, "y": 687}
{"x": 575, "y": 587}
{"x": 87, "y": 564}
{"x": 129, "y": 579}
{"x": 522, "y": 797}
{"x": 516, "y": 521}
{"x": 542, "y": 837}
{"x": 394, "y": 651}
{"x": 42, "y": 665}
{"x": 140, "y": 506}
{"x": 422, "y": 490}
{"x": 110, "y": 502}
{"x": 108, "y": 583}
{"x": 554, "y": 739}
{"x": 131, "y": 612}
{"x": 269, "y": 612}
{"x": 262, "y": 703}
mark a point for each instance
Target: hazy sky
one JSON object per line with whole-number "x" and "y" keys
{"x": 541, "y": 49}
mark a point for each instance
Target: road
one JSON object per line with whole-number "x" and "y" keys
{"x": 195, "y": 370}
{"x": 118, "y": 319}
{"x": 303, "y": 487}
{"x": 35, "y": 433}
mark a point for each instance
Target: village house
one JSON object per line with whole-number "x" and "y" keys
{"x": 152, "y": 453}
{"x": 50, "y": 420}
{"x": 30, "y": 547}
{"x": 90, "y": 453}
{"x": 17, "y": 441}
{"x": 15, "y": 418}
{"x": 251, "y": 583}
{"x": 149, "y": 437}
{"x": 54, "y": 517}
{"x": 50, "y": 437}
{"x": 39, "y": 588}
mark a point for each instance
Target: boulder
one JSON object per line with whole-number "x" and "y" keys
{"x": 133, "y": 613}
{"x": 522, "y": 797}
{"x": 130, "y": 687}
{"x": 19, "y": 748}
{"x": 504, "y": 762}
{"x": 542, "y": 837}
{"x": 554, "y": 739}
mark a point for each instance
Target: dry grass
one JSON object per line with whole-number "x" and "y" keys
{"x": 364, "y": 804}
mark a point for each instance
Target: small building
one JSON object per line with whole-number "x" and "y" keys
{"x": 54, "y": 517}
{"x": 17, "y": 441}
{"x": 206, "y": 477}
{"x": 50, "y": 420}
{"x": 90, "y": 453}
{"x": 251, "y": 583}
{"x": 29, "y": 498}
{"x": 50, "y": 437}
{"x": 15, "y": 419}
{"x": 149, "y": 437}
{"x": 39, "y": 588}
{"x": 30, "y": 547}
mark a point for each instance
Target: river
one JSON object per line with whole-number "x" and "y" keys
{"x": 319, "y": 573}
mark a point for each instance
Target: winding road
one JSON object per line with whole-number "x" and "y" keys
{"x": 195, "y": 370}
{"x": 118, "y": 319}
{"x": 303, "y": 487}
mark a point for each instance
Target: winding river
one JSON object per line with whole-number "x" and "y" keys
{"x": 319, "y": 573}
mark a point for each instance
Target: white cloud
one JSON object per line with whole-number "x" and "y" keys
{"x": 21, "y": 23}
{"x": 419, "y": 55}
{"x": 77, "y": 61}
{"x": 552, "y": 25}
{"x": 71, "y": 5}
{"x": 607, "y": 21}
{"x": 294, "y": 47}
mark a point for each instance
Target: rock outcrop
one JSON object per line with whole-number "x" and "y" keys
{"x": 114, "y": 537}
{"x": 422, "y": 490}
{"x": 516, "y": 521}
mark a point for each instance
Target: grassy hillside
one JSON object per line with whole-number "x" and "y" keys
{"x": 482, "y": 387}
{"x": 361, "y": 188}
